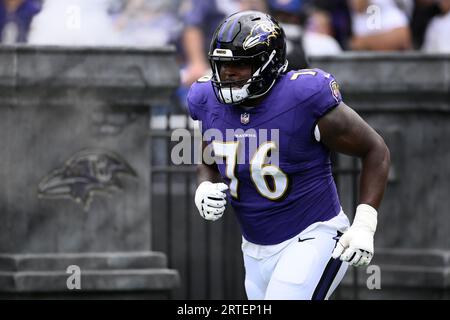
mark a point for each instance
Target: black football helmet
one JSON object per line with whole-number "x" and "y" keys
{"x": 252, "y": 38}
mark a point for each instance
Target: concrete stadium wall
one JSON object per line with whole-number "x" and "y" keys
{"x": 406, "y": 97}
{"x": 74, "y": 171}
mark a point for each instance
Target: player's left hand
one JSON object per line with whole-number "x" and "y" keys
{"x": 356, "y": 245}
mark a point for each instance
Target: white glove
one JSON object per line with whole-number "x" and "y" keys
{"x": 210, "y": 200}
{"x": 356, "y": 245}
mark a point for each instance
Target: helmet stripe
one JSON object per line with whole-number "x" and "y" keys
{"x": 220, "y": 35}
{"x": 219, "y": 38}
{"x": 230, "y": 33}
{"x": 227, "y": 28}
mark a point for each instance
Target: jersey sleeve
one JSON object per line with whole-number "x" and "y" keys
{"x": 195, "y": 102}
{"x": 328, "y": 95}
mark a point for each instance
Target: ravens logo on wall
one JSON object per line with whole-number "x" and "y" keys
{"x": 85, "y": 173}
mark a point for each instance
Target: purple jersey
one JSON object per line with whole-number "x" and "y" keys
{"x": 279, "y": 176}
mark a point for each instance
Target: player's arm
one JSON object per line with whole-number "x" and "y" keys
{"x": 207, "y": 172}
{"x": 210, "y": 197}
{"x": 393, "y": 40}
{"x": 343, "y": 130}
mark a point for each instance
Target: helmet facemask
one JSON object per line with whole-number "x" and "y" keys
{"x": 263, "y": 67}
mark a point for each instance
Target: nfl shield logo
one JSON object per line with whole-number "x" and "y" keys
{"x": 245, "y": 118}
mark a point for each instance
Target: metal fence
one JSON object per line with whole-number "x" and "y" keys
{"x": 208, "y": 254}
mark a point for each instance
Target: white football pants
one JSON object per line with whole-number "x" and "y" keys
{"x": 300, "y": 268}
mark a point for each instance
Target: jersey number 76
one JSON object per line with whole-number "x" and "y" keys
{"x": 259, "y": 169}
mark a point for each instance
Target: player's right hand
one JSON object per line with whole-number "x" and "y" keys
{"x": 210, "y": 199}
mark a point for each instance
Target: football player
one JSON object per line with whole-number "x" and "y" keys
{"x": 296, "y": 240}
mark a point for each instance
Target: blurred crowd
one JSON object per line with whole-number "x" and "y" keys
{"x": 313, "y": 27}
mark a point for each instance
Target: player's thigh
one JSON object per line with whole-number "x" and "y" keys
{"x": 305, "y": 269}
{"x": 255, "y": 285}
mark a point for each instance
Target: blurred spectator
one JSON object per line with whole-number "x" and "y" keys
{"x": 319, "y": 33}
{"x": 423, "y": 12}
{"x": 73, "y": 22}
{"x": 319, "y": 21}
{"x": 437, "y": 37}
{"x": 379, "y": 25}
{"x": 337, "y": 18}
{"x": 290, "y": 15}
{"x": 15, "y": 19}
{"x": 148, "y": 23}
{"x": 407, "y": 6}
{"x": 201, "y": 19}
{"x": 305, "y": 35}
